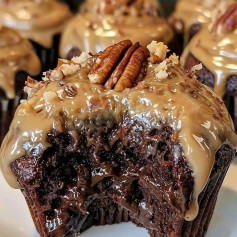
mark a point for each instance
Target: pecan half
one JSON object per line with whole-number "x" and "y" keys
{"x": 132, "y": 70}
{"x": 106, "y": 61}
{"x": 120, "y": 66}
{"x": 227, "y": 21}
{"x": 113, "y": 79}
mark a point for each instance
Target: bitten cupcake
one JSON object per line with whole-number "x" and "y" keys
{"x": 39, "y": 21}
{"x": 106, "y": 22}
{"x": 17, "y": 59}
{"x": 189, "y": 16}
{"x": 121, "y": 135}
{"x": 216, "y": 48}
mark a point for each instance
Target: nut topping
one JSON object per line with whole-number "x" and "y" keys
{"x": 227, "y": 22}
{"x": 70, "y": 90}
{"x": 106, "y": 61}
{"x": 113, "y": 79}
{"x": 132, "y": 70}
{"x": 120, "y": 66}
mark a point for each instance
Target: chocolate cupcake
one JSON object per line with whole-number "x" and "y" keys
{"x": 39, "y": 21}
{"x": 102, "y": 23}
{"x": 121, "y": 135}
{"x": 216, "y": 48}
{"x": 17, "y": 59}
{"x": 189, "y": 16}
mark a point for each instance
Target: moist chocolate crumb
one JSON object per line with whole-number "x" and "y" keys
{"x": 113, "y": 174}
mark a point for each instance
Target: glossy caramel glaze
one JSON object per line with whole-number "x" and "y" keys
{"x": 16, "y": 54}
{"x": 93, "y": 31}
{"x": 122, "y": 7}
{"x": 39, "y": 21}
{"x": 197, "y": 11}
{"x": 198, "y": 117}
{"x": 217, "y": 51}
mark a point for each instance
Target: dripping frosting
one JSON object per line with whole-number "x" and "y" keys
{"x": 174, "y": 99}
{"x": 93, "y": 32}
{"x": 39, "y": 21}
{"x": 217, "y": 51}
{"x": 16, "y": 54}
{"x": 197, "y": 11}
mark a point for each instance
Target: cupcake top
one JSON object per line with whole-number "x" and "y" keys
{"x": 124, "y": 80}
{"x": 106, "y": 22}
{"x": 215, "y": 46}
{"x": 122, "y": 7}
{"x": 16, "y": 54}
{"x": 35, "y": 20}
{"x": 197, "y": 11}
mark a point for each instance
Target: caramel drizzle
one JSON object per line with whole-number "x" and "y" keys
{"x": 122, "y": 7}
{"x": 176, "y": 101}
{"x": 196, "y": 11}
{"x": 16, "y": 54}
{"x": 39, "y": 21}
{"x": 217, "y": 50}
{"x": 92, "y": 33}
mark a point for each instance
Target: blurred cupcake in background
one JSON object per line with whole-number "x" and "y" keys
{"x": 73, "y": 4}
{"x": 39, "y": 21}
{"x": 102, "y": 23}
{"x": 190, "y": 15}
{"x": 17, "y": 59}
{"x": 215, "y": 46}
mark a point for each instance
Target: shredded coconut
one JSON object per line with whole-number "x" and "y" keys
{"x": 69, "y": 70}
{"x": 161, "y": 70}
{"x": 49, "y": 96}
{"x": 196, "y": 67}
{"x": 158, "y": 49}
{"x": 173, "y": 59}
{"x": 82, "y": 58}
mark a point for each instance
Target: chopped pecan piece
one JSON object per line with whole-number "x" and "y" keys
{"x": 120, "y": 66}
{"x": 227, "y": 21}
{"x": 70, "y": 90}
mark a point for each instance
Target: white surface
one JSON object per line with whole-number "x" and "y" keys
{"x": 15, "y": 220}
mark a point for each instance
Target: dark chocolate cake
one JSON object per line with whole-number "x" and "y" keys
{"x": 123, "y": 135}
{"x": 215, "y": 47}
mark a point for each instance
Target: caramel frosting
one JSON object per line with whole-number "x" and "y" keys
{"x": 217, "y": 51}
{"x": 165, "y": 97}
{"x": 39, "y": 20}
{"x": 121, "y": 7}
{"x": 197, "y": 11}
{"x": 16, "y": 54}
{"x": 93, "y": 33}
